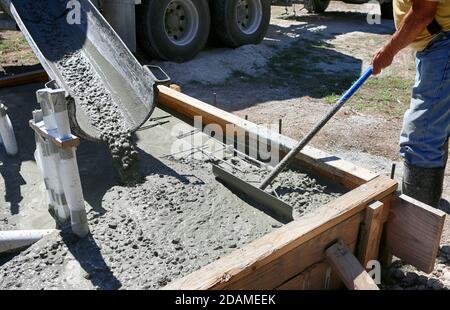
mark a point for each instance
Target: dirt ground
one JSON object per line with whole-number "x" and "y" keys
{"x": 302, "y": 66}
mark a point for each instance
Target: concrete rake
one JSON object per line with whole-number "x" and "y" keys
{"x": 266, "y": 202}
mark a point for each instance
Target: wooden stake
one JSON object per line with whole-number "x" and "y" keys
{"x": 175, "y": 87}
{"x": 371, "y": 233}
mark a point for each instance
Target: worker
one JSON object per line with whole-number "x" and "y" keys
{"x": 425, "y": 26}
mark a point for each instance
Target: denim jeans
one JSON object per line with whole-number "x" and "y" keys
{"x": 426, "y": 124}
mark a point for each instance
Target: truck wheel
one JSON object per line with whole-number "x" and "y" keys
{"x": 174, "y": 30}
{"x": 316, "y": 6}
{"x": 240, "y": 22}
{"x": 387, "y": 10}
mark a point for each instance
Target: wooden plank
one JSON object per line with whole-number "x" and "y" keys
{"x": 24, "y": 78}
{"x": 7, "y": 24}
{"x": 413, "y": 232}
{"x": 371, "y": 233}
{"x": 39, "y": 128}
{"x": 294, "y": 262}
{"x": 347, "y": 173}
{"x": 384, "y": 254}
{"x": 272, "y": 246}
{"x": 317, "y": 277}
{"x": 351, "y": 272}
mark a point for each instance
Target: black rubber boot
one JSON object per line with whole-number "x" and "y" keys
{"x": 423, "y": 184}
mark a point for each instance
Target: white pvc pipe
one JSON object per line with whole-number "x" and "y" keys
{"x": 68, "y": 166}
{"x": 38, "y": 159}
{"x": 47, "y": 109}
{"x": 61, "y": 116}
{"x": 7, "y": 132}
{"x": 42, "y": 163}
{"x": 70, "y": 178}
{"x": 59, "y": 197}
{"x": 18, "y": 239}
{"x": 50, "y": 157}
{"x": 63, "y": 167}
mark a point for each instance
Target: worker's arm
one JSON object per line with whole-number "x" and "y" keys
{"x": 416, "y": 20}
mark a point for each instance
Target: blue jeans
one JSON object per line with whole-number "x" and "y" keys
{"x": 426, "y": 124}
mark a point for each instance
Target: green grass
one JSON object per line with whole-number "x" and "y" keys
{"x": 13, "y": 44}
{"x": 388, "y": 95}
{"x": 14, "y": 49}
{"x": 301, "y": 64}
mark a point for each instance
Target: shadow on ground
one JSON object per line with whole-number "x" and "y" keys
{"x": 20, "y": 103}
{"x": 445, "y": 206}
{"x": 308, "y": 67}
{"x": 88, "y": 255}
{"x": 10, "y": 172}
{"x": 296, "y": 60}
{"x": 339, "y": 22}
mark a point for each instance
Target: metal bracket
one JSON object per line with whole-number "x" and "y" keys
{"x": 52, "y": 84}
{"x": 265, "y": 202}
{"x": 165, "y": 80}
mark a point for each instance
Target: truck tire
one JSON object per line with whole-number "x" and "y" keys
{"x": 174, "y": 30}
{"x": 316, "y": 6}
{"x": 240, "y": 22}
{"x": 387, "y": 10}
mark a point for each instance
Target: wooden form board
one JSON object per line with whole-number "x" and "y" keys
{"x": 24, "y": 78}
{"x": 330, "y": 166}
{"x": 333, "y": 168}
{"x": 413, "y": 232}
{"x": 349, "y": 269}
{"x": 316, "y": 277}
{"x": 270, "y": 261}
{"x": 276, "y": 273}
{"x": 39, "y": 128}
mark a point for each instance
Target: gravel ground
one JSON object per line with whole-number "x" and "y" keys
{"x": 405, "y": 277}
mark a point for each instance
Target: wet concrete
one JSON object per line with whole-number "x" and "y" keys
{"x": 178, "y": 220}
{"x": 301, "y": 191}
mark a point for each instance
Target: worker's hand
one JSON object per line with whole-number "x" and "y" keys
{"x": 382, "y": 59}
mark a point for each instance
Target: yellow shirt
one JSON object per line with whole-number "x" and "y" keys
{"x": 401, "y": 7}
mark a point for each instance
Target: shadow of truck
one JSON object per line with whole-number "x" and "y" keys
{"x": 319, "y": 6}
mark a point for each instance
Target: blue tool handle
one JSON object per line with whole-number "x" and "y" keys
{"x": 306, "y": 139}
{"x": 352, "y": 90}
